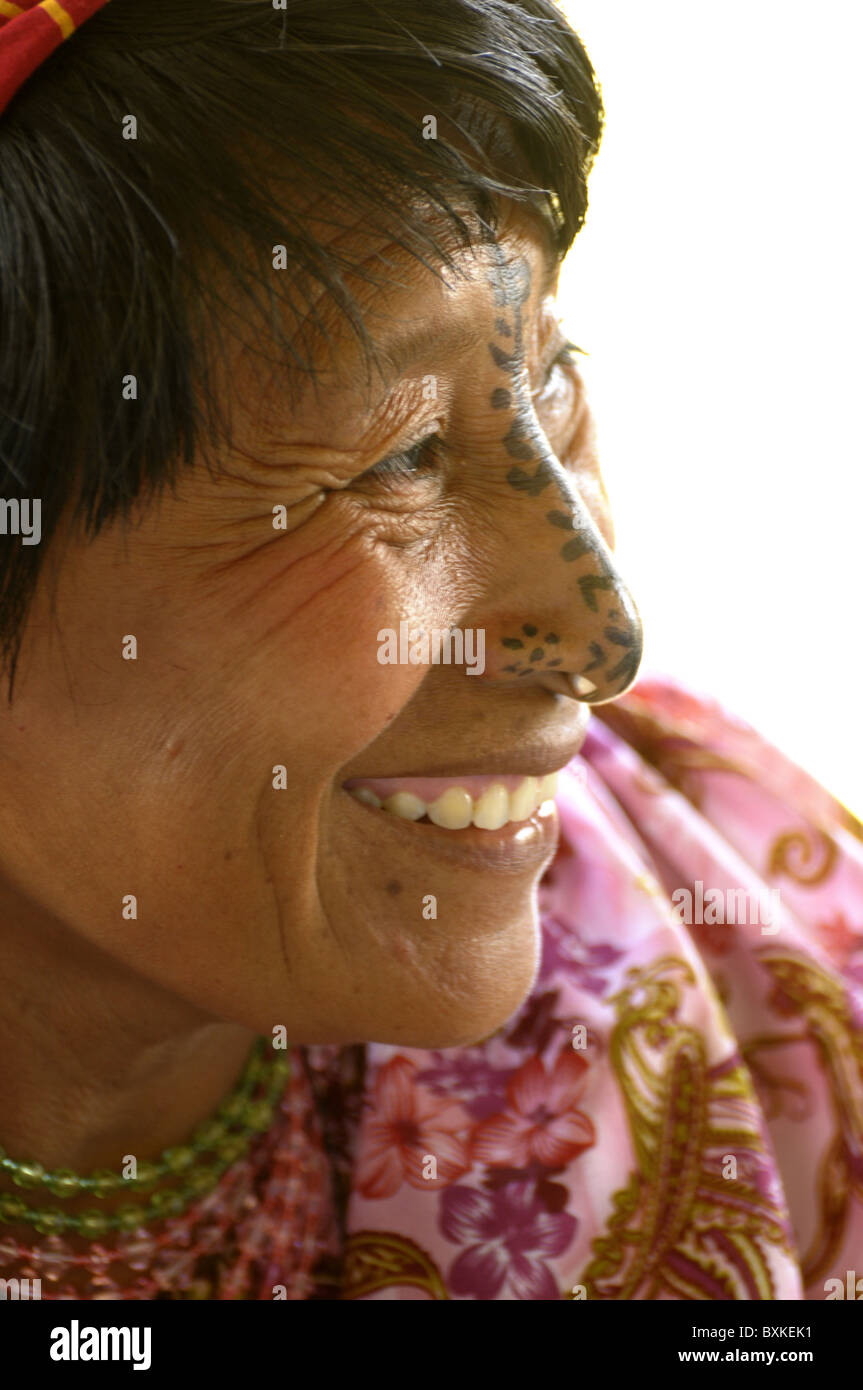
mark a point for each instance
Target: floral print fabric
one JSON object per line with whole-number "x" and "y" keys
{"x": 676, "y": 1112}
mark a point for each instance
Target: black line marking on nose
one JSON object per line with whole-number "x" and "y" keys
{"x": 589, "y": 583}
{"x": 576, "y": 549}
{"x": 517, "y": 442}
{"x": 532, "y": 485}
{"x": 627, "y": 666}
{"x": 511, "y": 284}
{"x": 507, "y": 361}
{"x": 510, "y": 668}
{"x": 620, "y": 639}
{"x": 598, "y": 658}
{"x": 580, "y": 545}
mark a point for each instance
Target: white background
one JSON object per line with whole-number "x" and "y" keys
{"x": 717, "y": 286}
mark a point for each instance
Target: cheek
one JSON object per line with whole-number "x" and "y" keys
{"x": 309, "y": 678}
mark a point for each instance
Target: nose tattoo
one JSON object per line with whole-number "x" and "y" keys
{"x": 537, "y": 654}
{"x": 511, "y": 283}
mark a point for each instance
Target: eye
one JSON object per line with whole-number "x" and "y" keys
{"x": 560, "y": 387}
{"x": 411, "y": 464}
{"x": 565, "y": 357}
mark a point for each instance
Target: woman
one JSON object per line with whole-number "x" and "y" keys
{"x": 320, "y": 602}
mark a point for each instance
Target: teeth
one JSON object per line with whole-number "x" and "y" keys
{"x": 492, "y": 809}
{"x": 548, "y": 788}
{"x": 405, "y": 805}
{"x": 366, "y": 795}
{"x": 525, "y": 799}
{"x": 455, "y": 809}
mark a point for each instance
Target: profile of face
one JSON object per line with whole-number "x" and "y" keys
{"x": 194, "y": 791}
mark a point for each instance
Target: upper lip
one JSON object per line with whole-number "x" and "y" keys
{"x": 537, "y": 760}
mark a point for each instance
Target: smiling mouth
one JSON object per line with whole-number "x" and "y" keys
{"x": 487, "y": 803}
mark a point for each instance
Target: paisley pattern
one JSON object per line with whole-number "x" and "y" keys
{"x": 834, "y": 1035}
{"x": 375, "y": 1259}
{"x": 681, "y": 1229}
{"x": 676, "y": 1112}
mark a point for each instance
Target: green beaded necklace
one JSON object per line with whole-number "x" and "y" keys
{"x": 227, "y": 1136}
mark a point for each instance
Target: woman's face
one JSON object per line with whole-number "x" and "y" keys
{"x": 256, "y": 600}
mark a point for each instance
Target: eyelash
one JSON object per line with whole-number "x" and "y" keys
{"x": 568, "y": 354}
{"x": 412, "y": 463}
{"x": 422, "y": 458}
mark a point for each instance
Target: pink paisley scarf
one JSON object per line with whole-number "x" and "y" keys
{"x": 677, "y": 1110}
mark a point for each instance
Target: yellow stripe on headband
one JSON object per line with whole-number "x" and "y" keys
{"x": 9, "y": 10}
{"x": 61, "y": 18}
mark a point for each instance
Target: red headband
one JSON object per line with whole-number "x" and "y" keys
{"x": 30, "y": 30}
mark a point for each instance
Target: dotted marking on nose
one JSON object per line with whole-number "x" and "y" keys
{"x": 536, "y": 656}
{"x": 551, "y": 639}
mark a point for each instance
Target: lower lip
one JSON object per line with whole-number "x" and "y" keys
{"x": 517, "y": 847}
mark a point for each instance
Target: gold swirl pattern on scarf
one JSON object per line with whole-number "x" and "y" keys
{"x": 821, "y": 1001}
{"x": 807, "y": 846}
{"x": 679, "y": 1229}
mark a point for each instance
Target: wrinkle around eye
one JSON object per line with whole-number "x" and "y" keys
{"x": 395, "y": 517}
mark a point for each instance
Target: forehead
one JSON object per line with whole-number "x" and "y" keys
{"x": 413, "y": 311}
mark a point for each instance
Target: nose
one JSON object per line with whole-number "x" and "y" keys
{"x": 574, "y": 617}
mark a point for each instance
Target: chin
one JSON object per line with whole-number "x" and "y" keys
{"x": 468, "y": 1004}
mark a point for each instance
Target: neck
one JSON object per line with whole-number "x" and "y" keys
{"x": 99, "y": 1062}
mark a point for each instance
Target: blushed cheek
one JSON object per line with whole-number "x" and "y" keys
{"x": 330, "y": 685}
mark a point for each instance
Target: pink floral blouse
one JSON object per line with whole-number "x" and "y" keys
{"x": 676, "y": 1112}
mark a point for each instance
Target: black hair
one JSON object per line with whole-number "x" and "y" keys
{"x": 118, "y": 255}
